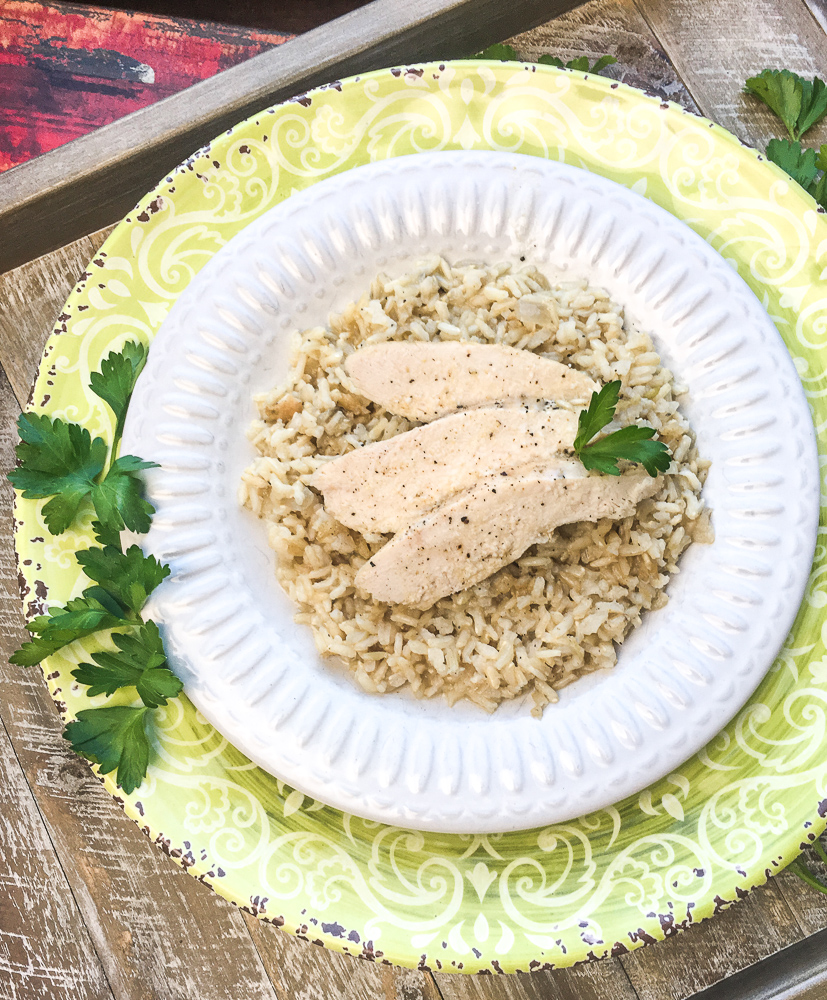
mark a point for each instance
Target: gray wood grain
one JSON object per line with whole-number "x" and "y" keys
{"x": 94, "y": 180}
{"x": 808, "y": 906}
{"x": 710, "y": 951}
{"x": 797, "y": 973}
{"x": 596, "y": 981}
{"x": 45, "y": 950}
{"x": 300, "y": 970}
{"x": 716, "y": 44}
{"x": 615, "y": 28}
{"x": 31, "y": 297}
{"x": 818, "y": 8}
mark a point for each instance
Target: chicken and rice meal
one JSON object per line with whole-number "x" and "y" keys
{"x": 422, "y": 487}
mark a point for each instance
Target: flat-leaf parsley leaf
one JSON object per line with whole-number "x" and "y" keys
{"x": 140, "y": 662}
{"x": 81, "y": 617}
{"x": 130, "y": 577}
{"x": 782, "y": 92}
{"x": 799, "y": 103}
{"x": 119, "y": 498}
{"x": 630, "y": 443}
{"x": 499, "y": 50}
{"x": 581, "y": 63}
{"x": 507, "y": 53}
{"x": 114, "y": 739}
{"x": 116, "y": 380}
{"x": 56, "y": 460}
{"x": 799, "y": 164}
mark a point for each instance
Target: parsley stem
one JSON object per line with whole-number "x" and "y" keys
{"x": 116, "y": 439}
{"x": 799, "y": 867}
{"x": 822, "y": 854}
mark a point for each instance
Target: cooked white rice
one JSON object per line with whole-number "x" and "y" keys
{"x": 555, "y": 614}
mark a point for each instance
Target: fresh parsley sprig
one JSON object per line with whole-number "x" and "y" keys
{"x": 115, "y": 739}
{"x": 140, "y": 662}
{"x": 507, "y": 53}
{"x": 632, "y": 444}
{"x": 63, "y": 462}
{"x": 581, "y": 63}
{"x": 800, "y": 104}
{"x": 115, "y": 382}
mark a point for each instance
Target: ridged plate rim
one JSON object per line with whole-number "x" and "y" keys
{"x": 685, "y": 848}
{"x": 680, "y": 677}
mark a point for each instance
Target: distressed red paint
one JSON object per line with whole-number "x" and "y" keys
{"x": 66, "y": 70}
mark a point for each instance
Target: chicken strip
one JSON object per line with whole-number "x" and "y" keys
{"x": 386, "y": 485}
{"x": 490, "y": 525}
{"x": 424, "y": 380}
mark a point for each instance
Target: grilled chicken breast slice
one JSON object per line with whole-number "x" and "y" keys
{"x": 386, "y": 485}
{"x": 425, "y": 380}
{"x": 490, "y": 525}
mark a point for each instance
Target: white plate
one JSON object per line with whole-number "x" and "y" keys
{"x": 256, "y": 675}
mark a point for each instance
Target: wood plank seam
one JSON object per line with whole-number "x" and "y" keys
{"x": 36, "y": 804}
{"x": 641, "y": 8}
{"x": 57, "y": 860}
{"x": 815, "y": 17}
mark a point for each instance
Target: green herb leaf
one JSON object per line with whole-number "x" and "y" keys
{"x": 57, "y": 460}
{"x": 140, "y": 662}
{"x": 782, "y": 92}
{"x": 116, "y": 380}
{"x": 499, "y": 50}
{"x": 602, "y": 63}
{"x": 813, "y": 105}
{"x": 818, "y": 189}
{"x": 580, "y": 63}
{"x": 119, "y": 499}
{"x": 130, "y": 577}
{"x": 799, "y": 163}
{"x": 601, "y": 411}
{"x": 114, "y": 739}
{"x": 799, "y": 103}
{"x": 106, "y": 536}
{"x": 81, "y": 617}
{"x": 630, "y": 443}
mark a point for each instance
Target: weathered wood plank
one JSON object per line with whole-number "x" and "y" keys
{"x": 734, "y": 939}
{"x": 45, "y": 950}
{"x": 156, "y": 931}
{"x": 716, "y": 44}
{"x": 808, "y": 906}
{"x": 293, "y": 964}
{"x": 818, "y": 8}
{"x": 609, "y": 27}
{"x": 796, "y": 973}
{"x": 96, "y": 179}
{"x": 30, "y": 299}
{"x": 603, "y": 980}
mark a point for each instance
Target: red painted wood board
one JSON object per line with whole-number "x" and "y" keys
{"x": 66, "y": 69}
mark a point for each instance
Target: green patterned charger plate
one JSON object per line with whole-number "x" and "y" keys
{"x": 607, "y": 882}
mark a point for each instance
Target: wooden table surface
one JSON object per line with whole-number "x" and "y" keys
{"x": 89, "y": 908}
